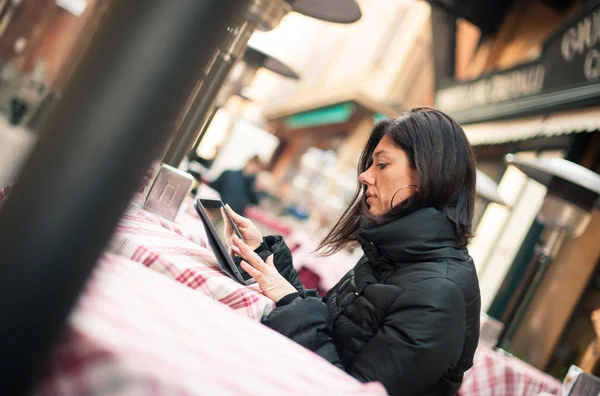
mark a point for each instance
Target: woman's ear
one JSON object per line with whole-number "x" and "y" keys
{"x": 413, "y": 175}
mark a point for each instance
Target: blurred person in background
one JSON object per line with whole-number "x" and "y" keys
{"x": 407, "y": 315}
{"x": 238, "y": 188}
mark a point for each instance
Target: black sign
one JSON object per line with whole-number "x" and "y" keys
{"x": 566, "y": 75}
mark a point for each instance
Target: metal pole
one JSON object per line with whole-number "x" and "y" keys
{"x": 543, "y": 257}
{"x": 204, "y": 129}
{"x": 200, "y": 109}
{"x": 261, "y": 15}
{"x": 93, "y": 151}
{"x": 242, "y": 76}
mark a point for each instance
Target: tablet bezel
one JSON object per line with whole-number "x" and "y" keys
{"x": 219, "y": 249}
{"x": 218, "y": 204}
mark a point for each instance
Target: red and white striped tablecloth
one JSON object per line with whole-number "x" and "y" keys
{"x": 165, "y": 247}
{"x": 497, "y": 374}
{"x": 187, "y": 262}
{"x": 135, "y": 332}
{"x": 186, "y": 225}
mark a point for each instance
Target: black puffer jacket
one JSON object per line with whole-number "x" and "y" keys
{"x": 407, "y": 315}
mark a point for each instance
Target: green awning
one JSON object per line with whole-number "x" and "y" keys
{"x": 379, "y": 117}
{"x": 336, "y": 114}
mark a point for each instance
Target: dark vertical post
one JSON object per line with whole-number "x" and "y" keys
{"x": 203, "y": 130}
{"x": 97, "y": 144}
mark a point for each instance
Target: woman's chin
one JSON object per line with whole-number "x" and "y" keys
{"x": 374, "y": 210}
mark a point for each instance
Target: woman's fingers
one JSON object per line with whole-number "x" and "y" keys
{"x": 249, "y": 251}
{"x": 253, "y": 272}
{"x": 269, "y": 261}
{"x": 249, "y": 232}
{"x": 248, "y": 254}
{"x": 241, "y": 220}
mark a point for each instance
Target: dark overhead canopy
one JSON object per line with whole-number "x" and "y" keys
{"x": 487, "y": 15}
{"x": 257, "y": 58}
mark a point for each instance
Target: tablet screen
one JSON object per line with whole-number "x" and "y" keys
{"x": 213, "y": 209}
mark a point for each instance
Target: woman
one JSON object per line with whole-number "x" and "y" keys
{"x": 407, "y": 315}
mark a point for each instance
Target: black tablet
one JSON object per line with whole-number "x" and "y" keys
{"x": 217, "y": 241}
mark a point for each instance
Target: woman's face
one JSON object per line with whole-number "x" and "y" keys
{"x": 387, "y": 175}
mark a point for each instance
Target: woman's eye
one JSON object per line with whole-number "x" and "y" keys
{"x": 382, "y": 165}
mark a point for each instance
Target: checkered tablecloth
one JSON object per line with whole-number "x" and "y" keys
{"x": 135, "y": 332}
{"x": 185, "y": 261}
{"x": 181, "y": 253}
{"x": 495, "y": 373}
{"x": 185, "y": 224}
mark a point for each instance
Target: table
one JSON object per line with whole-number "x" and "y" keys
{"x": 135, "y": 332}
{"x": 180, "y": 251}
{"x": 192, "y": 264}
{"x": 497, "y": 373}
{"x": 186, "y": 224}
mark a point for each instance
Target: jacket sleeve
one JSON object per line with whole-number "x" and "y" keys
{"x": 282, "y": 258}
{"x": 304, "y": 321}
{"x": 420, "y": 340}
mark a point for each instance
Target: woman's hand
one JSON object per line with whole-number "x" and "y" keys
{"x": 250, "y": 233}
{"x": 271, "y": 283}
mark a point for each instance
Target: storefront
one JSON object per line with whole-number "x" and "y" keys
{"x": 547, "y": 107}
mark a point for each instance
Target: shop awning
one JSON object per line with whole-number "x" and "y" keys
{"x": 553, "y": 124}
{"x": 379, "y": 117}
{"x": 585, "y": 120}
{"x": 335, "y": 114}
{"x": 332, "y": 109}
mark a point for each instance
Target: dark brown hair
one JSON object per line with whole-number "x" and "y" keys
{"x": 438, "y": 149}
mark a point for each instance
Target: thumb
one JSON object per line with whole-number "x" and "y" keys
{"x": 226, "y": 223}
{"x": 235, "y": 217}
{"x": 269, "y": 261}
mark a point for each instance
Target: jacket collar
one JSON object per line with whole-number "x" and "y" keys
{"x": 422, "y": 236}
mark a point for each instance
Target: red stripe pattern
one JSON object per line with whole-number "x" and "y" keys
{"x": 499, "y": 374}
{"x": 172, "y": 254}
{"x": 135, "y": 332}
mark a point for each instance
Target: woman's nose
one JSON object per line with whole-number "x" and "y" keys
{"x": 365, "y": 178}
